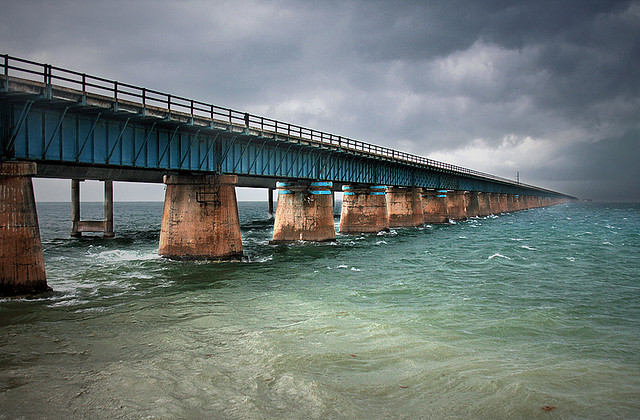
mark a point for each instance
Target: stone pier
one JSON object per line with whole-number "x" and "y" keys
{"x": 405, "y": 206}
{"x": 364, "y": 209}
{"x": 304, "y": 212}
{"x": 434, "y": 206}
{"x": 512, "y": 203}
{"x": 200, "y": 218}
{"x": 456, "y": 205}
{"x": 494, "y": 203}
{"x": 472, "y": 203}
{"x": 504, "y": 207}
{"x": 270, "y": 201}
{"x": 21, "y": 261}
{"x": 484, "y": 204}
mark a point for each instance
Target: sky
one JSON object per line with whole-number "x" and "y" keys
{"x": 549, "y": 89}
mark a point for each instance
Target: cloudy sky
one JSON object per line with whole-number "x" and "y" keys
{"x": 547, "y": 88}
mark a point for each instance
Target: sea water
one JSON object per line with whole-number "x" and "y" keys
{"x": 532, "y": 314}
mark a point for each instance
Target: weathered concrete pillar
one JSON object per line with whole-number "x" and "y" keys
{"x": 270, "y": 197}
{"x": 494, "y": 203}
{"x": 404, "y": 206}
{"x": 521, "y": 201}
{"x": 21, "y": 261}
{"x": 434, "y": 206}
{"x": 472, "y": 203}
{"x": 484, "y": 204}
{"x": 456, "y": 205}
{"x": 304, "y": 213}
{"x": 532, "y": 201}
{"x": 200, "y": 218}
{"x": 75, "y": 208}
{"x": 108, "y": 209}
{"x": 504, "y": 206}
{"x": 512, "y": 203}
{"x": 364, "y": 209}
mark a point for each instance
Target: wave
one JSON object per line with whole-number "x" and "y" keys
{"x": 117, "y": 255}
{"x": 499, "y": 256}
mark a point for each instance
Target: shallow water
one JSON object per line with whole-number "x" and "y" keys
{"x": 490, "y": 318}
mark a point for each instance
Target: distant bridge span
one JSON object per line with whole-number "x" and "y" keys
{"x": 60, "y": 123}
{"x": 80, "y": 126}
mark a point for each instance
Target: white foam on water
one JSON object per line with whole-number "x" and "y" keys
{"x": 516, "y": 239}
{"x": 528, "y": 247}
{"x": 123, "y": 255}
{"x": 499, "y": 256}
{"x": 68, "y": 302}
{"x": 571, "y": 258}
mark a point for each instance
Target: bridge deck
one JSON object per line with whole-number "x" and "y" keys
{"x": 143, "y": 133}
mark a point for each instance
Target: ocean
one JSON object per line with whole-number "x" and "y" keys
{"x": 533, "y": 314}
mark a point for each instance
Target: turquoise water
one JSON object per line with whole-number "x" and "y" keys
{"x": 494, "y": 317}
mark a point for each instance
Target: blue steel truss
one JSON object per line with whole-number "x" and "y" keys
{"x": 87, "y": 122}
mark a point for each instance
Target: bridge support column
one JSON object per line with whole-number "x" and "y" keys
{"x": 434, "y": 206}
{"x": 404, "y": 206}
{"x": 21, "y": 261}
{"x": 364, "y": 209}
{"x": 472, "y": 203}
{"x": 494, "y": 203}
{"x": 200, "y": 218}
{"x": 511, "y": 203}
{"x": 79, "y": 226}
{"x": 304, "y": 213}
{"x": 504, "y": 208}
{"x": 270, "y": 198}
{"x": 456, "y": 205}
{"x": 483, "y": 204}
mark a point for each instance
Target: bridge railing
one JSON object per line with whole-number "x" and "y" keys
{"x": 117, "y": 91}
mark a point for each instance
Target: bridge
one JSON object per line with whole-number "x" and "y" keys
{"x": 60, "y": 123}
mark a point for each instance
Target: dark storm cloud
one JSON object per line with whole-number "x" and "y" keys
{"x": 457, "y": 79}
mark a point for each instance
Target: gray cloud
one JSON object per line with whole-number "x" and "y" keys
{"x": 499, "y": 85}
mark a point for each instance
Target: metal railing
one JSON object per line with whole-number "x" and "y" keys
{"x": 121, "y": 92}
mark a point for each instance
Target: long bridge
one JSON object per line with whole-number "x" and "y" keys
{"x": 60, "y": 123}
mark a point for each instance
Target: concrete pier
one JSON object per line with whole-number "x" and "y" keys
{"x": 404, "y": 206}
{"x": 472, "y": 202}
{"x": 270, "y": 201}
{"x": 79, "y": 226}
{"x": 511, "y": 203}
{"x": 456, "y": 205}
{"x": 434, "y": 206}
{"x": 502, "y": 199}
{"x": 304, "y": 212}
{"x": 484, "y": 204}
{"x": 22, "y": 269}
{"x": 364, "y": 209}
{"x": 200, "y": 218}
{"x": 494, "y": 203}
